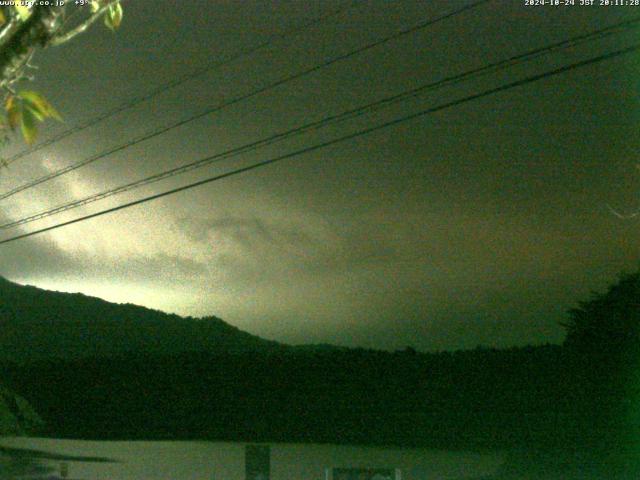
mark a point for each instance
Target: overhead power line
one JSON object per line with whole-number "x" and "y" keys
{"x": 329, "y": 120}
{"x": 359, "y": 133}
{"x": 211, "y": 66}
{"x": 238, "y": 99}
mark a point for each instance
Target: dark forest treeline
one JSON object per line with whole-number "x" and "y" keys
{"x": 182, "y": 379}
{"x": 481, "y": 398}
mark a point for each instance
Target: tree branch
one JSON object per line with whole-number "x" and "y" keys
{"x": 37, "y": 30}
{"x": 63, "y": 38}
{"x": 9, "y": 29}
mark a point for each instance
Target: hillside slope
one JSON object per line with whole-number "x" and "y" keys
{"x": 37, "y": 324}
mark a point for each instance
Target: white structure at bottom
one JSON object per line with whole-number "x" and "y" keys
{"x": 148, "y": 460}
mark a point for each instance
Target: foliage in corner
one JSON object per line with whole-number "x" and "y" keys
{"x": 113, "y": 16}
{"x": 29, "y": 27}
{"x": 25, "y": 110}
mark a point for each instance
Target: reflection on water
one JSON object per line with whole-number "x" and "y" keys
{"x": 192, "y": 460}
{"x": 26, "y": 463}
{"x": 51, "y": 459}
{"x": 20, "y": 463}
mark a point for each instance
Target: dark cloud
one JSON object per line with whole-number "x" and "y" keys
{"x": 480, "y": 224}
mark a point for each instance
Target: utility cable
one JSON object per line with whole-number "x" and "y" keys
{"x": 329, "y": 120}
{"x": 235, "y": 100}
{"x": 359, "y": 133}
{"x": 133, "y": 102}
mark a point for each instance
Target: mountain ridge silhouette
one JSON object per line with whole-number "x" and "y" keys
{"x": 36, "y": 323}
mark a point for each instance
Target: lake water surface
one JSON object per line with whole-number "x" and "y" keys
{"x": 147, "y": 460}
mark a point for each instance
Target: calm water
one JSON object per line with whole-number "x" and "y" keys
{"x": 226, "y": 460}
{"x": 142, "y": 460}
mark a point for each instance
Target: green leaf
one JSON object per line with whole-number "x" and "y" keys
{"x": 39, "y": 104}
{"x": 3, "y": 18}
{"x": 26, "y": 109}
{"x": 39, "y": 115}
{"x": 23, "y": 11}
{"x": 113, "y": 17}
{"x": 28, "y": 126}
{"x": 14, "y": 114}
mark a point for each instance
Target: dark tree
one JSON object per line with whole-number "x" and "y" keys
{"x": 603, "y": 356}
{"x": 609, "y": 323}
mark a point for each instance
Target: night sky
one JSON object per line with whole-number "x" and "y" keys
{"x": 480, "y": 224}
